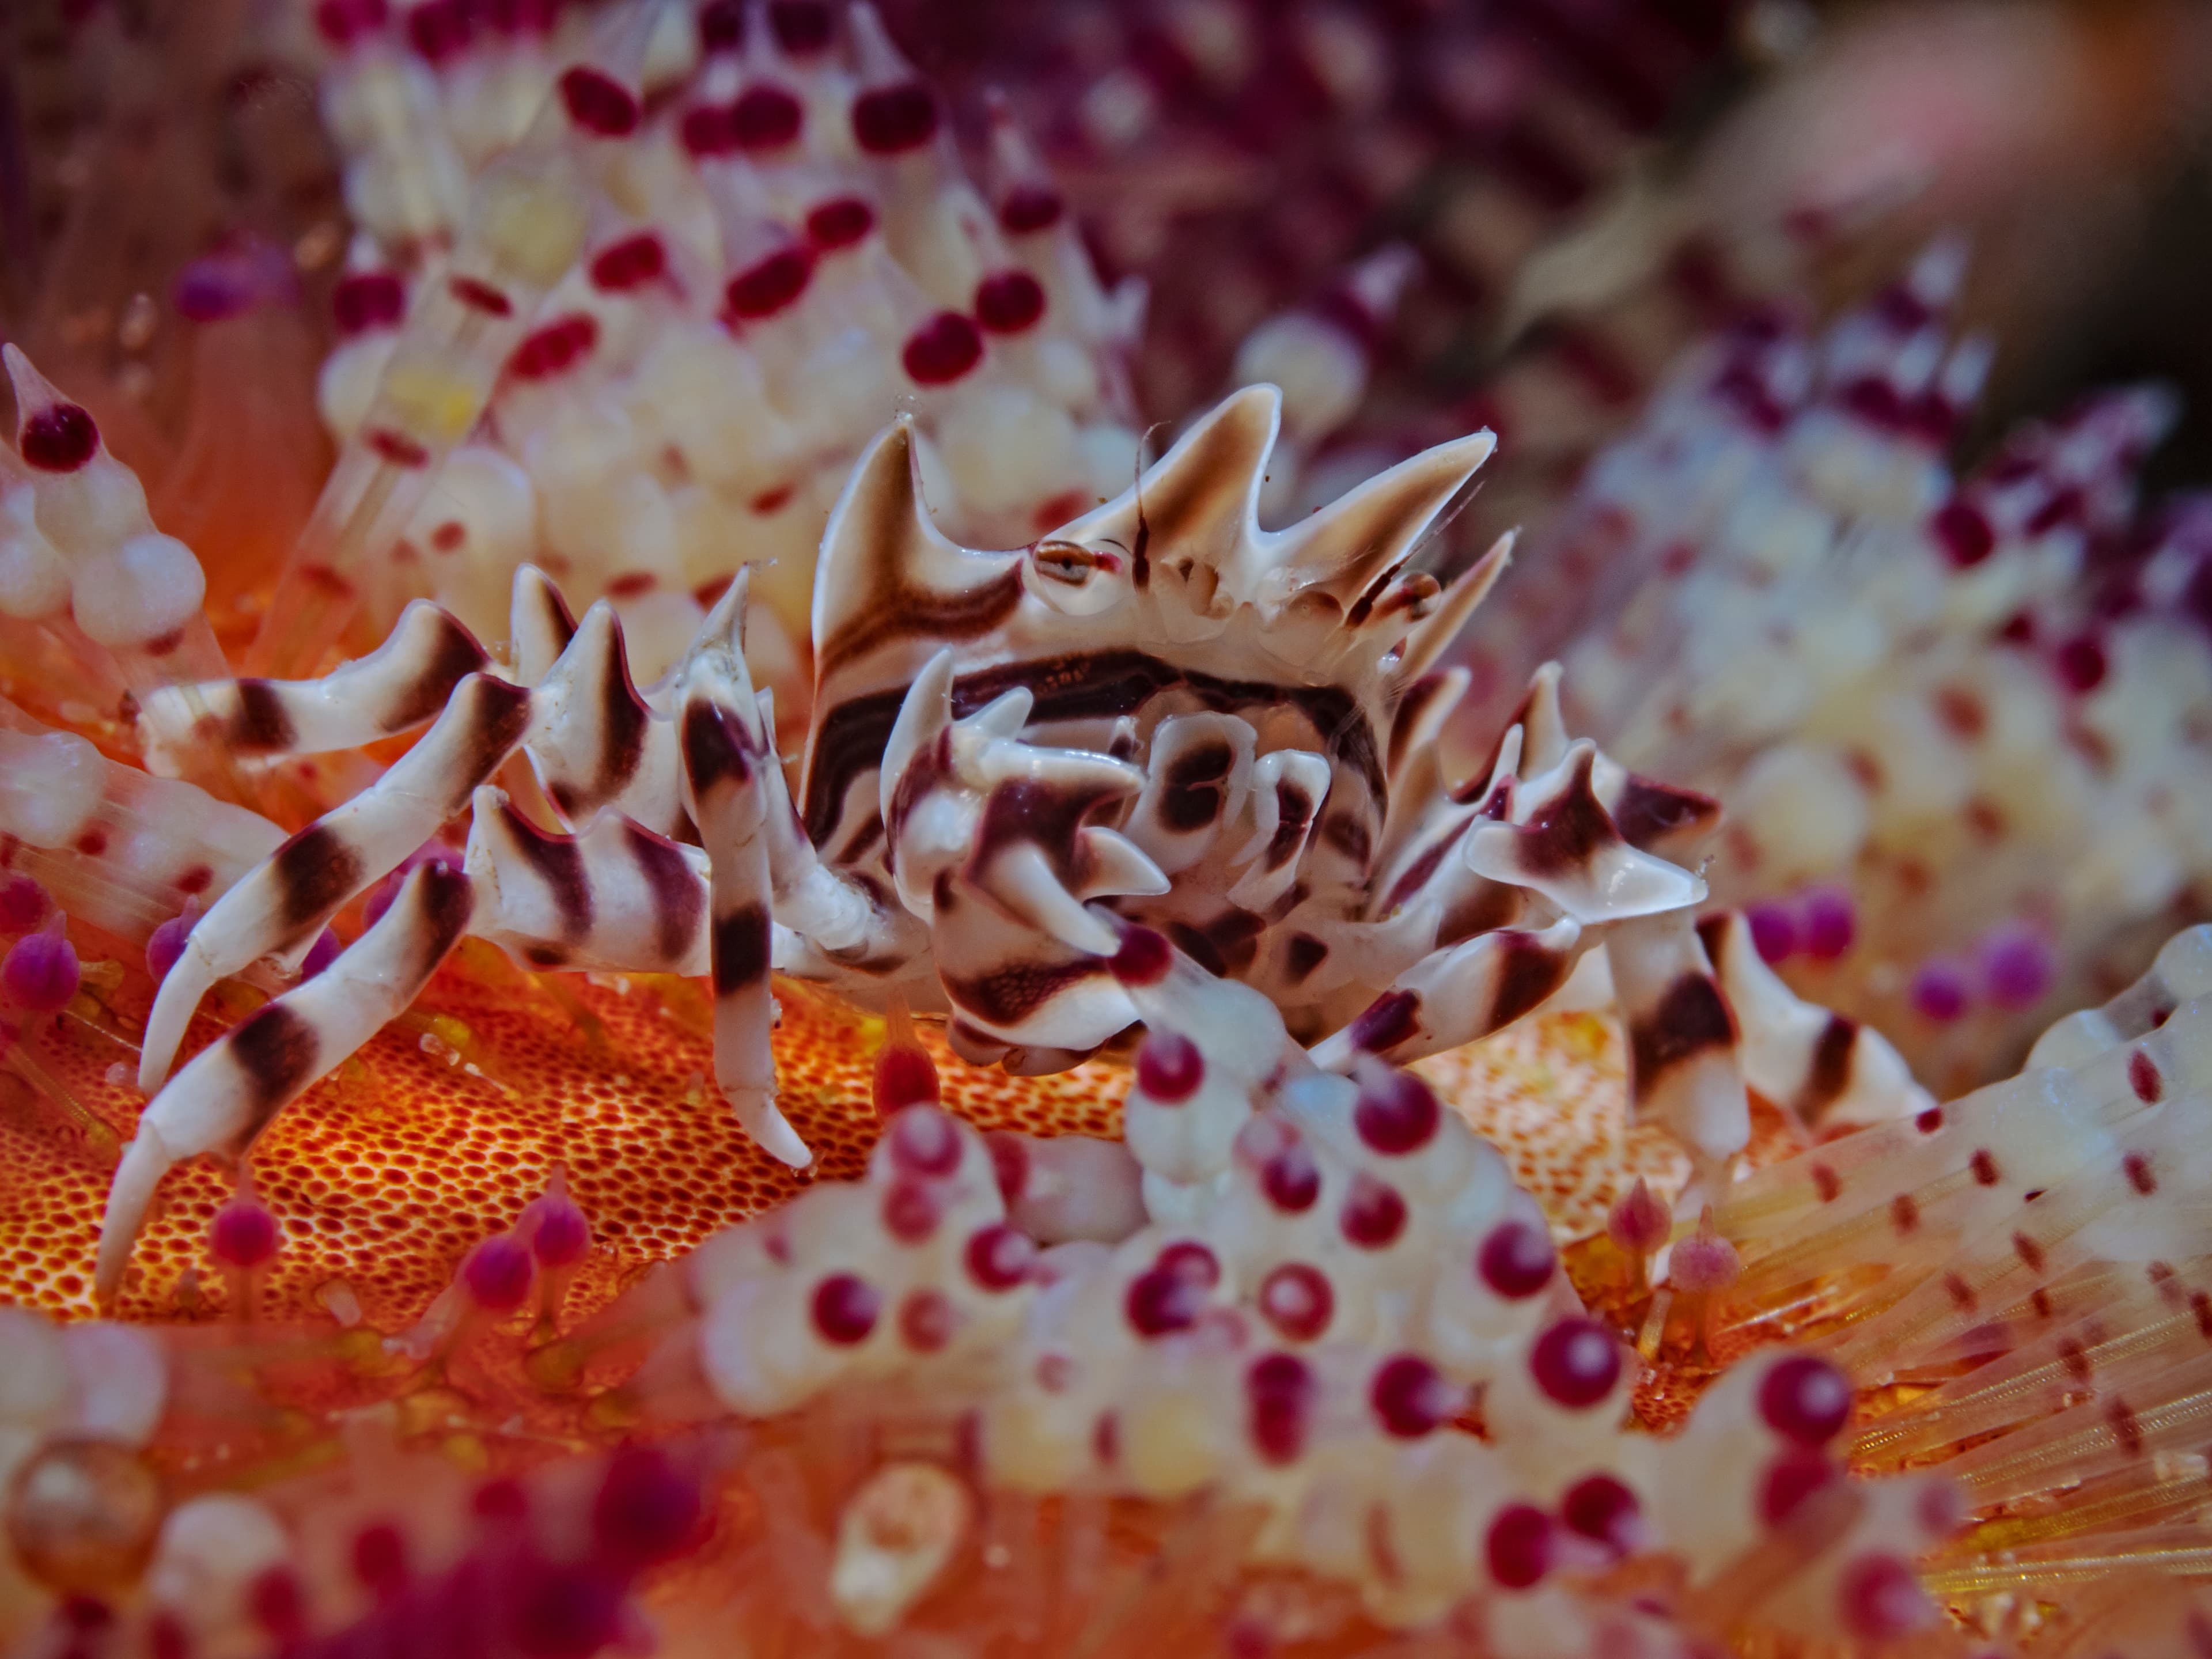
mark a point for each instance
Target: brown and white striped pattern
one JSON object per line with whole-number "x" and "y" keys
{"x": 404, "y": 683}
{"x": 616, "y": 898}
{"x": 279, "y": 907}
{"x": 1454, "y": 996}
{"x": 724, "y": 752}
{"x": 593, "y": 741}
{"x": 1683, "y": 1067}
{"x": 231, "y": 1090}
{"x": 1827, "y": 1071}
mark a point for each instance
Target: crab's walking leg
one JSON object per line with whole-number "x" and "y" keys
{"x": 400, "y": 685}
{"x": 1684, "y": 1070}
{"x": 725, "y": 751}
{"x": 616, "y": 897}
{"x": 1454, "y": 996}
{"x": 231, "y": 1090}
{"x": 831, "y": 912}
{"x": 1825, "y": 1068}
{"x": 279, "y": 907}
{"x": 593, "y": 740}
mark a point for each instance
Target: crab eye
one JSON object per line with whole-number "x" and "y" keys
{"x": 1069, "y": 561}
{"x": 1059, "y": 574}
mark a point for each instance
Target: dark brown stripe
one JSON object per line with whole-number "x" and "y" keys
{"x": 1302, "y": 954}
{"x": 886, "y": 519}
{"x": 1528, "y": 972}
{"x": 1192, "y": 798}
{"x": 454, "y": 656}
{"x": 1418, "y": 697}
{"x": 1045, "y": 815}
{"x": 907, "y": 790}
{"x": 1347, "y": 833}
{"x": 261, "y": 726}
{"x": 495, "y": 714}
{"x": 1293, "y": 811}
{"x": 862, "y": 843}
{"x": 679, "y": 898}
{"x": 1830, "y": 1073}
{"x": 316, "y": 871}
{"x": 1011, "y": 994}
{"x": 447, "y": 901}
{"x": 714, "y": 748}
{"x": 1207, "y": 484}
{"x": 740, "y": 949}
{"x": 1193, "y": 943}
{"x": 1568, "y": 831}
{"x": 1713, "y": 934}
{"x": 1364, "y": 606}
{"x": 904, "y": 612}
{"x": 1387, "y": 1022}
{"x": 558, "y": 619}
{"x": 558, "y": 862}
{"x": 1418, "y": 873}
{"x": 1093, "y": 685}
{"x": 1483, "y": 906}
{"x": 1648, "y": 813}
{"x": 1691, "y": 1018}
{"x": 1236, "y": 934}
{"x": 274, "y": 1049}
{"x": 624, "y": 717}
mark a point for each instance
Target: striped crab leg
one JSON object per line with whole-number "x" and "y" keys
{"x": 229, "y": 1092}
{"x": 1457, "y": 995}
{"x": 1551, "y": 838}
{"x": 616, "y": 897}
{"x": 277, "y": 908}
{"x": 725, "y": 751}
{"x": 1683, "y": 1069}
{"x": 400, "y": 685}
{"x": 1826, "y": 1069}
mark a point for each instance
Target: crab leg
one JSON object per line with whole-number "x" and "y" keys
{"x": 826, "y": 906}
{"x": 1683, "y": 1067}
{"x": 1560, "y": 842}
{"x": 400, "y": 685}
{"x": 725, "y": 751}
{"x": 822, "y": 904}
{"x": 231, "y": 1090}
{"x": 1828, "y": 1070}
{"x": 278, "y": 908}
{"x": 593, "y": 740}
{"x": 1455, "y": 995}
{"x": 616, "y": 897}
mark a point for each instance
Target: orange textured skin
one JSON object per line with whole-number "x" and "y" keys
{"x": 447, "y": 1124}
{"x": 385, "y": 1174}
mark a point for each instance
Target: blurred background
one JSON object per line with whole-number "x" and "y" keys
{"x": 1582, "y": 182}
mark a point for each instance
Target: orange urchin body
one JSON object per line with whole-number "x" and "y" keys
{"x": 444, "y": 1128}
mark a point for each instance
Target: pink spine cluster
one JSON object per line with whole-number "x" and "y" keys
{"x": 784, "y": 249}
{"x": 1957, "y": 721}
{"x": 1330, "y": 1282}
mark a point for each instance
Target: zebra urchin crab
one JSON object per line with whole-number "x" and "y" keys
{"x": 1031, "y": 779}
